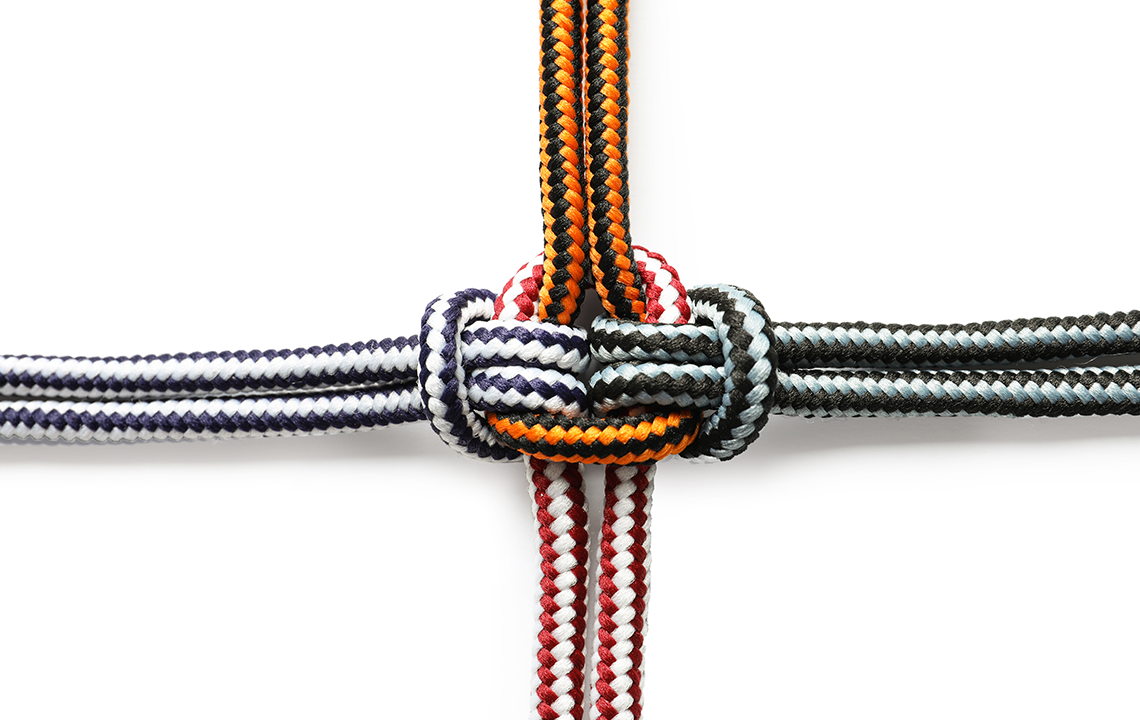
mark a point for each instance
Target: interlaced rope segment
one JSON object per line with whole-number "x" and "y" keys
{"x": 645, "y": 437}
{"x": 612, "y": 440}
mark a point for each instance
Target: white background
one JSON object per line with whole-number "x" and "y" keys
{"x": 240, "y": 174}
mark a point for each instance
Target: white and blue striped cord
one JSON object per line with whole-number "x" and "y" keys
{"x": 198, "y": 418}
{"x": 373, "y": 363}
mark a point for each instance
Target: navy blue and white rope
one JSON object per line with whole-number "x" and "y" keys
{"x": 182, "y": 419}
{"x": 372, "y": 363}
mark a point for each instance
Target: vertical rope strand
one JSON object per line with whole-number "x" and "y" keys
{"x": 560, "y": 519}
{"x": 607, "y": 174}
{"x": 560, "y": 161}
{"x": 623, "y": 593}
{"x": 559, "y": 500}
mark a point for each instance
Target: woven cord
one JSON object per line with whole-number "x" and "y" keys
{"x": 607, "y": 171}
{"x": 556, "y": 488}
{"x": 560, "y": 166}
{"x": 560, "y": 520}
{"x": 623, "y": 559}
{"x": 622, "y": 592}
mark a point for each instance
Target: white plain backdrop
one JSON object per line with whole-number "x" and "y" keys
{"x": 246, "y": 174}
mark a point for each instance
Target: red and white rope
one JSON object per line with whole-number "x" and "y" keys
{"x": 622, "y": 593}
{"x": 666, "y": 301}
{"x": 561, "y": 523}
{"x": 558, "y": 501}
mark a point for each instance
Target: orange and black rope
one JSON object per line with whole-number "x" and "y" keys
{"x": 621, "y": 440}
{"x": 607, "y": 171}
{"x": 561, "y": 161}
{"x": 611, "y": 441}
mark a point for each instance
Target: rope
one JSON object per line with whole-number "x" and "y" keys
{"x": 376, "y": 362}
{"x": 560, "y": 171}
{"x": 559, "y": 506}
{"x": 607, "y": 172}
{"x": 623, "y": 592}
{"x": 511, "y": 370}
{"x": 1005, "y": 341}
{"x": 201, "y": 418}
{"x": 1062, "y": 392}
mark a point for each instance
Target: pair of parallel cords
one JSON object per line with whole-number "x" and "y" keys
{"x": 694, "y": 373}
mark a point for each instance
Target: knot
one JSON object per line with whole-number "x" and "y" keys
{"x": 624, "y": 437}
{"x": 723, "y": 364}
{"x": 470, "y": 363}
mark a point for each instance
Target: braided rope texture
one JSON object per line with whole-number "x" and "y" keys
{"x": 607, "y": 170}
{"x": 372, "y": 363}
{"x": 727, "y": 367}
{"x": 184, "y": 419}
{"x": 443, "y": 380}
{"x": 560, "y": 518}
{"x": 1063, "y": 392}
{"x": 666, "y": 299}
{"x": 506, "y": 367}
{"x": 565, "y": 437}
{"x": 525, "y": 365}
{"x": 558, "y": 502}
{"x": 613, "y": 440}
{"x": 1006, "y": 341}
{"x": 623, "y": 593}
{"x": 560, "y": 161}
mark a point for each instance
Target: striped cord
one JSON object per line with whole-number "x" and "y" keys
{"x": 702, "y": 366}
{"x": 560, "y": 161}
{"x": 510, "y": 367}
{"x": 558, "y": 502}
{"x": 373, "y": 363}
{"x": 622, "y": 592}
{"x": 616, "y": 276}
{"x": 200, "y": 418}
{"x": 1006, "y": 341}
{"x": 1061, "y": 392}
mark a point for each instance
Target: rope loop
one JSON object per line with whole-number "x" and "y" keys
{"x": 471, "y": 364}
{"x": 526, "y": 365}
{"x": 443, "y": 379}
{"x": 724, "y": 365}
